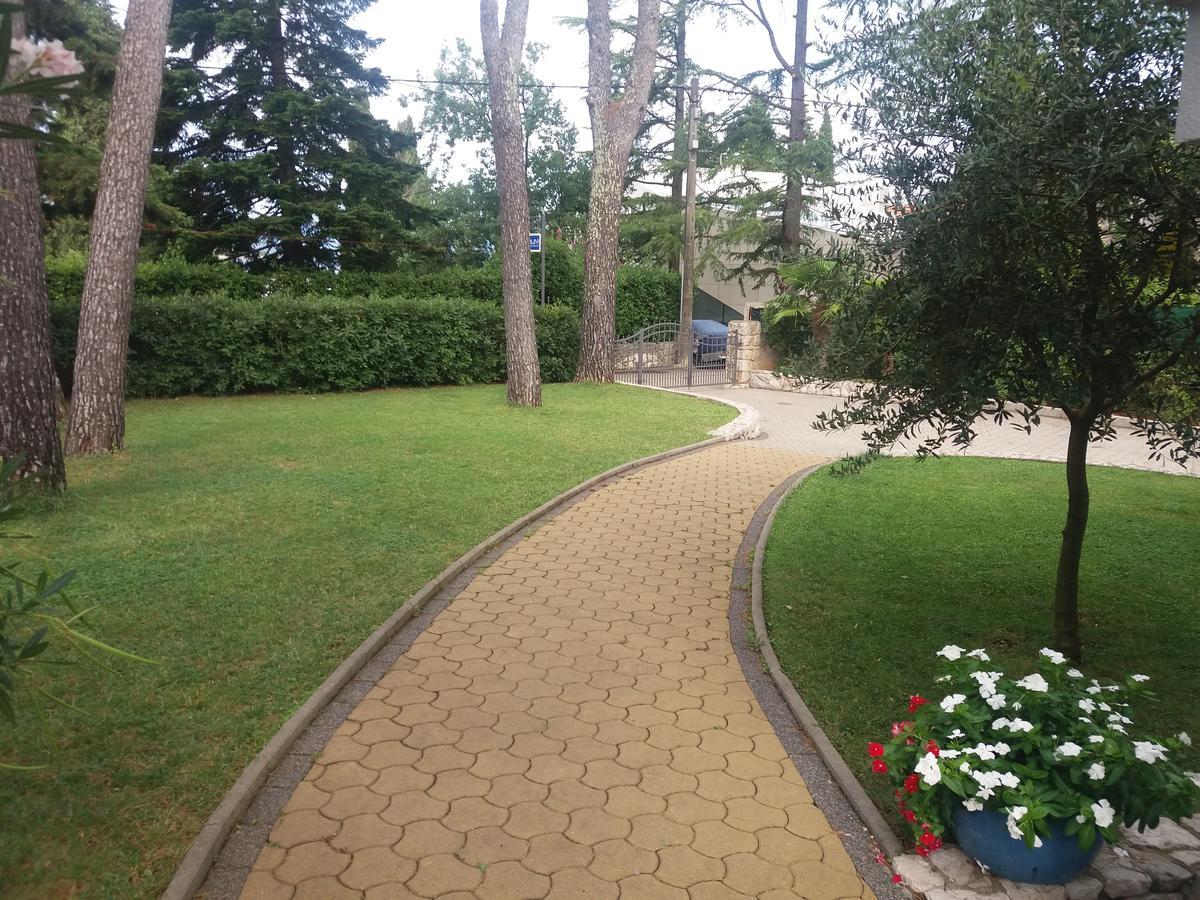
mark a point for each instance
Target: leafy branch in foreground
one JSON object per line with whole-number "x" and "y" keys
{"x": 37, "y": 615}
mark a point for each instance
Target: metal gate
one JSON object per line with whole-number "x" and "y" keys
{"x": 657, "y": 356}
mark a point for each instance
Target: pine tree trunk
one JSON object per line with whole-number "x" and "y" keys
{"x": 502, "y": 53}
{"x": 599, "y": 314}
{"x": 679, "y": 149}
{"x": 28, "y": 421}
{"x": 1066, "y": 590}
{"x": 793, "y": 205}
{"x": 96, "y": 423}
{"x": 615, "y": 123}
{"x": 291, "y": 251}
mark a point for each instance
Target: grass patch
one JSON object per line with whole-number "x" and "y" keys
{"x": 866, "y": 577}
{"x": 250, "y": 544}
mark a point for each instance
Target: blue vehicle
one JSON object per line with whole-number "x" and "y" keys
{"x": 710, "y": 341}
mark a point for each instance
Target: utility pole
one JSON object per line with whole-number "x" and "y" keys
{"x": 689, "y": 226}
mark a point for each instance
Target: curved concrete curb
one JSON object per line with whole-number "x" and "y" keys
{"x": 746, "y": 427}
{"x": 862, "y": 805}
{"x": 193, "y": 869}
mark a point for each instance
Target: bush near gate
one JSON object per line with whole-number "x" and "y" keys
{"x": 218, "y": 345}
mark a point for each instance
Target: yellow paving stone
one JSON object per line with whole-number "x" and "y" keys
{"x": 439, "y": 875}
{"x": 312, "y": 860}
{"x": 375, "y": 866}
{"x": 301, "y": 827}
{"x": 264, "y": 886}
{"x": 574, "y": 724}
{"x": 361, "y": 832}
{"x": 327, "y": 888}
{"x": 352, "y": 801}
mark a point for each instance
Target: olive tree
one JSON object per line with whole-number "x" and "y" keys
{"x": 1039, "y": 244}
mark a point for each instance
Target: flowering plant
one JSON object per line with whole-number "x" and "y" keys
{"x": 34, "y": 69}
{"x": 1049, "y": 746}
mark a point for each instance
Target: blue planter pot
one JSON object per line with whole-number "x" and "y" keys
{"x": 984, "y": 836}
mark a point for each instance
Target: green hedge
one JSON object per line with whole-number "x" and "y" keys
{"x": 645, "y": 295}
{"x": 218, "y": 345}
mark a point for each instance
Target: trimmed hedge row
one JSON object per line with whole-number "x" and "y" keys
{"x": 219, "y": 345}
{"x": 645, "y": 295}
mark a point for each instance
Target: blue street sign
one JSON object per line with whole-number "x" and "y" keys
{"x": 535, "y": 243}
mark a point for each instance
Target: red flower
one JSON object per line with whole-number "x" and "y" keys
{"x": 915, "y": 702}
{"x": 932, "y": 747}
{"x": 896, "y": 879}
{"x": 930, "y": 841}
{"x": 912, "y": 783}
{"x": 922, "y": 851}
{"x": 874, "y": 750}
{"x": 879, "y": 767}
{"x": 910, "y": 816}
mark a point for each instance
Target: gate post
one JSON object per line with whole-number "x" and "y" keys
{"x": 640, "y": 353}
{"x": 747, "y": 336}
{"x": 687, "y": 342}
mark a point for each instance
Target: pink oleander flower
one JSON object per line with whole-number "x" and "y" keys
{"x": 56, "y": 61}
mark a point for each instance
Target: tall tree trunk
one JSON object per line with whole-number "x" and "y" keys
{"x": 28, "y": 421}
{"x": 502, "y": 51}
{"x": 1066, "y": 588}
{"x": 615, "y": 123}
{"x": 793, "y": 205}
{"x": 291, "y": 251}
{"x": 96, "y": 423}
{"x": 679, "y": 149}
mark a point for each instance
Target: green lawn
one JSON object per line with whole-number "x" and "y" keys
{"x": 250, "y": 544}
{"x": 867, "y": 576}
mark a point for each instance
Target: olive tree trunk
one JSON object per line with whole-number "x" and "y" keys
{"x": 96, "y": 423}
{"x": 28, "y": 404}
{"x": 502, "y": 52}
{"x": 615, "y": 123}
{"x": 1066, "y": 588}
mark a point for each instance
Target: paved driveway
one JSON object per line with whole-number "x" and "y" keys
{"x": 787, "y": 424}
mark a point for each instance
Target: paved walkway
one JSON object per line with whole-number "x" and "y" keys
{"x": 787, "y": 424}
{"x": 574, "y": 724}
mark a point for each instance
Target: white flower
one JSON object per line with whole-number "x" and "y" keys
{"x": 1139, "y": 678}
{"x": 951, "y": 652}
{"x": 1054, "y": 656}
{"x": 1088, "y": 706}
{"x": 1017, "y": 706}
{"x": 1019, "y": 725}
{"x": 1096, "y": 738}
{"x": 1149, "y": 752}
{"x": 996, "y": 701}
{"x": 1001, "y": 748}
{"x": 1103, "y": 813}
{"x": 943, "y": 679}
{"x": 1195, "y": 776}
{"x": 56, "y": 60}
{"x": 1115, "y": 726}
{"x": 929, "y": 770}
{"x": 1104, "y": 707}
{"x": 965, "y": 767}
{"x": 980, "y": 655}
{"x": 1094, "y": 688}
{"x": 1010, "y": 780}
{"x": 951, "y": 701}
{"x": 973, "y": 805}
{"x": 1035, "y": 683}
{"x": 984, "y": 752}
{"x": 956, "y": 733}
{"x": 25, "y": 54}
{"x": 1015, "y": 814}
{"x": 1081, "y": 819}
{"x": 950, "y": 754}
{"x": 1070, "y": 749}
{"x": 1002, "y": 722}
{"x": 1184, "y": 738}
{"x": 1074, "y": 673}
{"x": 1096, "y": 771}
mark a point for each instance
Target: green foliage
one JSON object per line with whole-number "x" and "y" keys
{"x": 218, "y": 345}
{"x": 268, "y": 134}
{"x": 36, "y": 616}
{"x": 1044, "y": 246}
{"x": 645, "y": 296}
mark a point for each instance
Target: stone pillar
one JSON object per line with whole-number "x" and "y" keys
{"x": 750, "y": 345}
